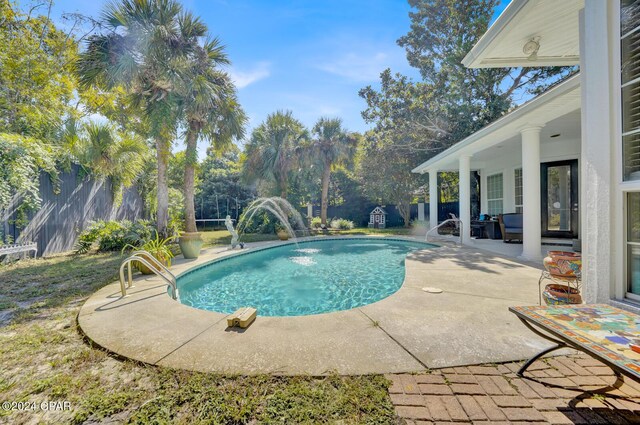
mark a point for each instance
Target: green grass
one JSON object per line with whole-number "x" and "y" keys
{"x": 44, "y": 358}
{"x": 368, "y": 231}
{"x": 223, "y": 237}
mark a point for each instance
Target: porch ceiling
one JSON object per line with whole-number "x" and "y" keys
{"x": 557, "y": 111}
{"x": 566, "y": 126}
{"x": 552, "y": 23}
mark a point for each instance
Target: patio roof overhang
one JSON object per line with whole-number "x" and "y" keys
{"x": 553, "y": 24}
{"x": 557, "y": 102}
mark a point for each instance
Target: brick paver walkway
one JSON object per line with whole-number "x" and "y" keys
{"x": 579, "y": 390}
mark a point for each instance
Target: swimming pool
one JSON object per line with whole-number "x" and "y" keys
{"x": 311, "y": 277}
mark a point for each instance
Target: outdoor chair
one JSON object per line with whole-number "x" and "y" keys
{"x": 511, "y": 226}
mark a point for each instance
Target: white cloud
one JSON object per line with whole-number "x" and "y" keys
{"x": 328, "y": 110}
{"x": 243, "y": 78}
{"x": 358, "y": 66}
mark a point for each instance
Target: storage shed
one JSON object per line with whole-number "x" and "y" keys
{"x": 377, "y": 218}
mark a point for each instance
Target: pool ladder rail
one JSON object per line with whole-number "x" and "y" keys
{"x": 152, "y": 264}
{"x": 457, "y": 223}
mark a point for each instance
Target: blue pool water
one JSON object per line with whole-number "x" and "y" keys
{"x": 294, "y": 280}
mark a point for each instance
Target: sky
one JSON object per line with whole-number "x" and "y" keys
{"x": 310, "y": 57}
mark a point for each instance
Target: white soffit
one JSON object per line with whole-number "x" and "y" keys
{"x": 553, "y": 23}
{"x": 556, "y": 102}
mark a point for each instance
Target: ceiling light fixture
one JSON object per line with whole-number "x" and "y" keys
{"x": 555, "y": 135}
{"x": 531, "y": 48}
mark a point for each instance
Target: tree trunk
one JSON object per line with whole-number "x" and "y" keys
{"x": 191, "y": 155}
{"x": 283, "y": 187}
{"x": 162, "y": 151}
{"x": 324, "y": 203}
{"x": 405, "y": 212}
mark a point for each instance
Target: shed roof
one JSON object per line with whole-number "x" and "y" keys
{"x": 378, "y": 210}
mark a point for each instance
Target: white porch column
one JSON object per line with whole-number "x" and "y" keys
{"x": 601, "y": 214}
{"x": 531, "y": 226}
{"x": 433, "y": 198}
{"x": 464, "y": 179}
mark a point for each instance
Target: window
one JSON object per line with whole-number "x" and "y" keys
{"x": 630, "y": 79}
{"x": 518, "y": 185}
{"x": 494, "y": 194}
{"x": 633, "y": 243}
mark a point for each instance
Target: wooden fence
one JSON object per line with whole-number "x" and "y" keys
{"x": 56, "y": 225}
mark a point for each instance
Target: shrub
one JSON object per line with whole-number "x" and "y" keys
{"x": 258, "y": 222}
{"x": 316, "y": 222}
{"x": 341, "y": 224}
{"x": 261, "y": 222}
{"x": 113, "y": 235}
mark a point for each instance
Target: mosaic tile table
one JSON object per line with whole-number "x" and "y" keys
{"x": 604, "y": 332}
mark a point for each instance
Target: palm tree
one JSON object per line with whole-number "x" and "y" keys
{"x": 331, "y": 147}
{"x": 142, "y": 47}
{"x": 108, "y": 153}
{"x": 274, "y": 150}
{"x": 211, "y": 111}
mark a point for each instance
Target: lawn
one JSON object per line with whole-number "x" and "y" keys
{"x": 223, "y": 237}
{"x": 43, "y": 357}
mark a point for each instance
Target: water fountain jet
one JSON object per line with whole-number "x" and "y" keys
{"x": 278, "y": 207}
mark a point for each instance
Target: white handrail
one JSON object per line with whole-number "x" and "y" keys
{"x": 450, "y": 220}
{"x": 157, "y": 268}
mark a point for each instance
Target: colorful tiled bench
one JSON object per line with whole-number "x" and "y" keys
{"x": 606, "y": 333}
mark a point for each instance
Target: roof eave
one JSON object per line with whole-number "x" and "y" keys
{"x": 524, "y": 63}
{"x": 523, "y": 109}
{"x": 471, "y": 59}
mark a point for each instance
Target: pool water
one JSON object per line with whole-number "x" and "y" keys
{"x": 308, "y": 278}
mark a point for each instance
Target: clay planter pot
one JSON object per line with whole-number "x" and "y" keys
{"x": 283, "y": 235}
{"x": 563, "y": 265}
{"x": 555, "y": 294}
{"x": 190, "y": 244}
{"x": 146, "y": 270}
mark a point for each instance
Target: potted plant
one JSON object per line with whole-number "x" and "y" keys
{"x": 282, "y": 232}
{"x": 190, "y": 244}
{"x": 158, "y": 248}
{"x": 557, "y": 294}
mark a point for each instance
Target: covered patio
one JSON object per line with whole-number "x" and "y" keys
{"x": 528, "y": 163}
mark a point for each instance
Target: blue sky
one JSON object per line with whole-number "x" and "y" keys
{"x": 310, "y": 57}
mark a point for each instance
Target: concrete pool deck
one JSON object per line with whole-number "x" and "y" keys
{"x": 412, "y": 330}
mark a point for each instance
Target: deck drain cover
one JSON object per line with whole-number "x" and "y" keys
{"x": 432, "y": 290}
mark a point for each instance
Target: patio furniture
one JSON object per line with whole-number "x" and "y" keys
{"x": 511, "y": 226}
{"x": 606, "y": 333}
{"x": 477, "y": 229}
{"x": 486, "y": 229}
{"x": 19, "y": 248}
